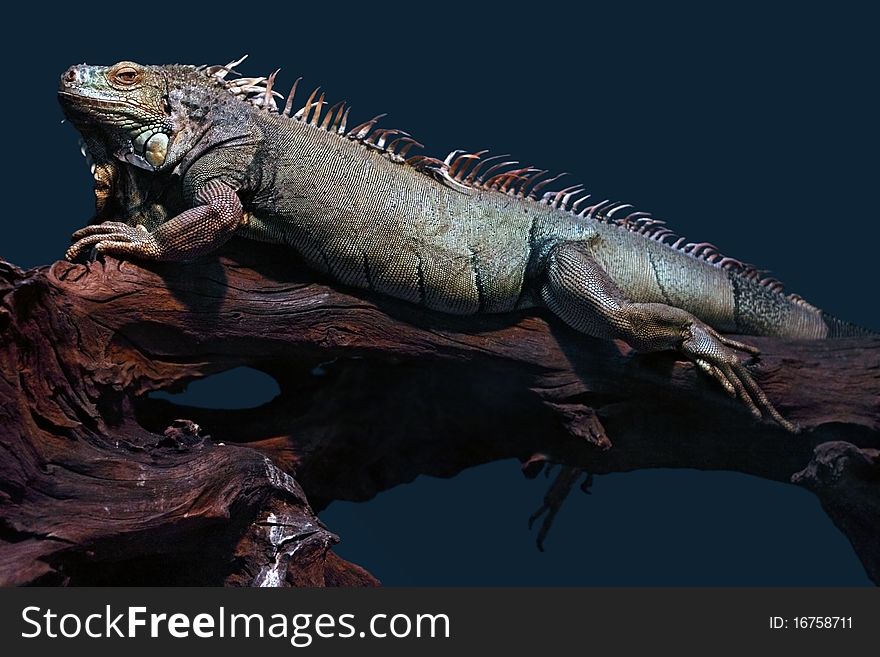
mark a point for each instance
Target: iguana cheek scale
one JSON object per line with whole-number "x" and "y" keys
{"x": 186, "y": 157}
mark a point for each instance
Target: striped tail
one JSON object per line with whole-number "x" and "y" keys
{"x": 837, "y": 328}
{"x": 762, "y": 311}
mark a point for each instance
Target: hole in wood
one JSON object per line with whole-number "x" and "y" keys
{"x": 235, "y": 389}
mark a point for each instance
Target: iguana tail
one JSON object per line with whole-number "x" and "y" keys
{"x": 760, "y": 310}
{"x": 731, "y": 299}
{"x": 837, "y": 328}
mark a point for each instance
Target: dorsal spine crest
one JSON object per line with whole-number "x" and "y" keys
{"x": 465, "y": 171}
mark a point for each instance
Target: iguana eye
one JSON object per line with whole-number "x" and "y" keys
{"x": 126, "y": 75}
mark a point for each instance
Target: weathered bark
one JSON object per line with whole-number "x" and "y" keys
{"x": 101, "y": 484}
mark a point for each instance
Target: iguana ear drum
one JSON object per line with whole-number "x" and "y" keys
{"x": 156, "y": 149}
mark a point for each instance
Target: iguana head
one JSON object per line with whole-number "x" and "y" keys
{"x": 126, "y": 103}
{"x": 148, "y": 116}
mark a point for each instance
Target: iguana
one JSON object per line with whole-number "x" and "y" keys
{"x": 185, "y": 157}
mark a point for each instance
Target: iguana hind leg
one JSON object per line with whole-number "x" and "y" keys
{"x": 581, "y": 293}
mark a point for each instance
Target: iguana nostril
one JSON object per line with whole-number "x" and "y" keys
{"x": 71, "y": 75}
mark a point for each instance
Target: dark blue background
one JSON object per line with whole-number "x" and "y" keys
{"x": 753, "y": 129}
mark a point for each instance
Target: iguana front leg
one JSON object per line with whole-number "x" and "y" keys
{"x": 217, "y": 212}
{"x": 580, "y": 292}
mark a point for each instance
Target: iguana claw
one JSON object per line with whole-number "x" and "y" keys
{"x": 716, "y": 355}
{"x": 113, "y": 237}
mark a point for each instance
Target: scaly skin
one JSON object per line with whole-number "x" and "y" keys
{"x": 185, "y": 159}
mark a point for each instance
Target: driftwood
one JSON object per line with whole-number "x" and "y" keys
{"x": 101, "y": 484}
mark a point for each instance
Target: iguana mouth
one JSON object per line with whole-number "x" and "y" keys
{"x": 91, "y": 108}
{"x": 144, "y": 147}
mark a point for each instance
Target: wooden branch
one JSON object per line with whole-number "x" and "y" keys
{"x": 102, "y": 484}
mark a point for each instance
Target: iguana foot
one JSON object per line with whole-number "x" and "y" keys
{"x": 116, "y": 238}
{"x": 717, "y": 356}
{"x": 582, "y": 294}
{"x": 195, "y": 232}
{"x": 555, "y": 497}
